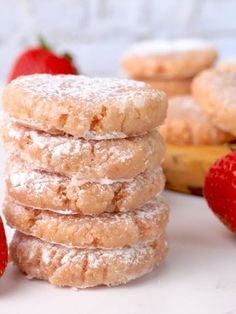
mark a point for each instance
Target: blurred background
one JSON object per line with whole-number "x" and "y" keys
{"x": 97, "y": 32}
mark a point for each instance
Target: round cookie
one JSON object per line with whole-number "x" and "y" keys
{"x": 216, "y": 94}
{"x": 84, "y": 107}
{"x": 181, "y": 58}
{"x": 90, "y": 161}
{"x": 78, "y": 268}
{"x": 44, "y": 190}
{"x": 105, "y": 231}
{"x": 186, "y": 124}
{"x": 172, "y": 87}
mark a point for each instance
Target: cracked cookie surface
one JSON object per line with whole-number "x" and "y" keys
{"x": 90, "y": 161}
{"x": 103, "y": 231}
{"x": 43, "y": 190}
{"x": 84, "y": 268}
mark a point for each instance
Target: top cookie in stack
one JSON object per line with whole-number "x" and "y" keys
{"x": 98, "y": 108}
{"x": 87, "y": 148}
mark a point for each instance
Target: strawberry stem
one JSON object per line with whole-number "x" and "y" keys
{"x": 67, "y": 56}
{"x": 43, "y": 44}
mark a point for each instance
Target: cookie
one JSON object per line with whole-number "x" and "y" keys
{"x": 187, "y": 124}
{"x": 90, "y": 161}
{"x": 44, "y": 190}
{"x": 84, "y": 107}
{"x": 172, "y": 87}
{"x": 216, "y": 94}
{"x": 181, "y": 58}
{"x": 109, "y": 230}
{"x": 82, "y": 268}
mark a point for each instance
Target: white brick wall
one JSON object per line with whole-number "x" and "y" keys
{"x": 97, "y": 31}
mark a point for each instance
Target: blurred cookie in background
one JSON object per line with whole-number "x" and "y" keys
{"x": 215, "y": 92}
{"x": 168, "y": 65}
{"x": 171, "y": 87}
{"x": 193, "y": 145}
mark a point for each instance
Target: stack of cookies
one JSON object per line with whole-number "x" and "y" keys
{"x": 168, "y": 65}
{"x": 83, "y": 178}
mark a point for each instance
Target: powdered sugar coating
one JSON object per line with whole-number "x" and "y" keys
{"x": 108, "y": 230}
{"x": 165, "y": 46}
{"x": 91, "y": 90}
{"x": 83, "y": 106}
{"x": 85, "y": 268}
{"x": 91, "y": 135}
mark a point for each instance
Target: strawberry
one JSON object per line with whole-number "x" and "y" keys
{"x": 3, "y": 249}
{"x": 220, "y": 190}
{"x": 41, "y": 59}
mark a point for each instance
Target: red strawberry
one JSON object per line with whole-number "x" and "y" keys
{"x": 41, "y": 60}
{"x": 3, "y": 249}
{"x": 220, "y": 190}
